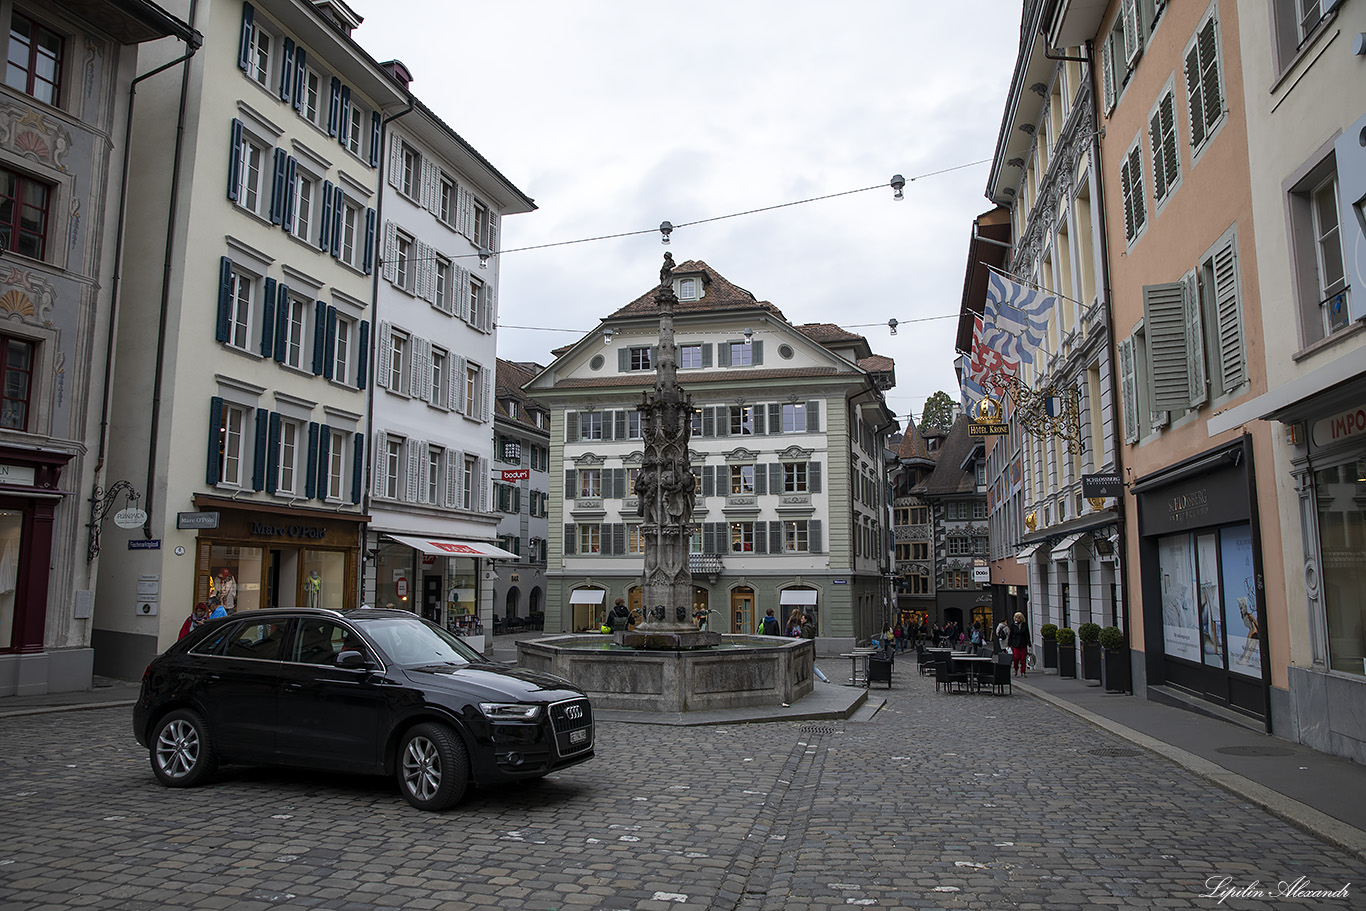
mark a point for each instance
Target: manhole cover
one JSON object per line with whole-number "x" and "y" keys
{"x": 1255, "y": 751}
{"x": 819, "y": 729}
{"x": 1115, "y": 752}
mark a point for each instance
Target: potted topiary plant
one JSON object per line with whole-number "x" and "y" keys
{"x": 1048, "y": 632}
{"x": 1089, "y": 636}
{"x": 1116, "y": 660}
{"x": 1067, "y": 655}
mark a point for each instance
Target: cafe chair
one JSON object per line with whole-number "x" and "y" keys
{"x": 1000, "y": 675}
{"x": 948, "y": 676}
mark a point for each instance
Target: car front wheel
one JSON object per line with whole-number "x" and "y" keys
{"x": 433, "y": 767}
{"x": 182, "y": 751}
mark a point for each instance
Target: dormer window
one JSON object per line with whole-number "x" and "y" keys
{"x": 687, "y": 289}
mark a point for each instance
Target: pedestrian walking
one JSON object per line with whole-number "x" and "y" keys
{"x": 1002, "y": 636}
{"x": 807, "y": 630}
{"x": 1019, "y": 644}
{"x": 899, "y": 638}
{"x": 794, "y": 624}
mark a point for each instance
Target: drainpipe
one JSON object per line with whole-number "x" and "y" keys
{"x": 176, "y": 160}
{"x": 1121, "y": 551}
{"x": 374, "y": 361}
{"x": 193, "y": 45}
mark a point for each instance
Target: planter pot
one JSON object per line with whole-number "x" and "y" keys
{"x": 1050, "y": 653}
{"x": 1116, "y": 670}
{"x": 1090, "y": 660}
{"x": 1067, "y": 662}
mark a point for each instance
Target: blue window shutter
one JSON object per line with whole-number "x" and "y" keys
{"x": 319, "y": 337}
{"x": 374, "y": 139}
{"x": 368, "y": 257}
{"x": 222, "y": 328}
{"x": 281, "y": 321}
{"x": 324, "y": 460}
{"x": 300, "y": 78}
{"x": 244, "y": 40}
{"x": 334, "y": 107}
{"x": 258, "y": 468}
{"x": 287, "y": 71}
{"x": 325, "y": 230}
{"x": 311, "y": 467}
{"x": 273, "y": 454}
{"x": 277, "y": 187}
{"x": 235, "y": 162}
{"x": 215, "y": 441}
{"x": 291, "y": 186}
{"x": 363, "y": 354}
{"x": 357, "y": 466}
{"x": 268, "y": 319}
{"x": 344, "y": 119}
{"x": 338, "y": 207}
{"x": 330, "y": 343}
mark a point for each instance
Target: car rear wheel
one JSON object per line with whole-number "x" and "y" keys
{"x": 433, "y": 767}
{"x": 182, "y": 752}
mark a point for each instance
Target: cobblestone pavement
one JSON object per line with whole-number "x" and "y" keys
{"x": 938, "y": 802}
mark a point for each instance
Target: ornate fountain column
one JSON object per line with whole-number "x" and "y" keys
{"x": 665, "y": 492}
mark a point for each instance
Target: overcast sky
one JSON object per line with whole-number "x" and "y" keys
{"x": 615, "y": 116}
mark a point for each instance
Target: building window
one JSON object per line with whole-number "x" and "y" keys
{"x": 239, "y": 309}
{"x": 403, "y": 247}
{"x": 689, "y": 356}
{"x": 296, "y": 320}
{"x": 590, "y": 538}
{"x": 741, "y": 420}
{"x": 742, "y": 479}
{"x": 469, "y": 486}
{"x": 411, "y": 171}
{"x": 1331, "y": 275}
{"x": 476, "y": 317}
{"x": 446, "y": 200}
{"x": 303, "y": 207}
{"x": 398, "y": 360}
{"x": 435, "y": 457}
{"x": 794, "y": 418}
{"x": 590, "y": 425}
{"x": 471, "y": 392}
{"x": 635, "y": 541}
{"x": 249, "y": 189}
{"x": 23, "y": 214}
{"x": 35, "y": 60}
{"x": 590, "y": 482}
{"x": 795, "y": 540}
{"x": 633, "y": 425}
{"x": 341, "y": 349}
{"x": 439, "y": 377}
{"x": 258, "y": 63}
{"x": 350, "y": 249}
{"x": 310, "y": 110}
{"x": 479, "y": 224}
{"x": 741, "y": 537}
{"x": 920, "y": 584}
{"x": 687, "y": 289}
{"x": 1131, "y": 186}
{"x": 920, "y": 550}
{"x": 741, "y": 354}
{"x": 289, "y": 457}
{"x": 336, "y": 463}
{"x": 356, "y": 134}
{"x": 393, "y": 463}
{"x": 441, "y": 297}
{"x": 231, "y": 440}
{"x": 1342, "y": 537}
{"x": 639, "y": 359}
{"x": 920, "y": 515}
{"x": 794, "y": 477}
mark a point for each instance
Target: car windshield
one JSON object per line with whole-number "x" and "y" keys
{"x": 409, "y": 642}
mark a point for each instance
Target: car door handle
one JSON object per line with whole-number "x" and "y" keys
{"x": 294, "y": 686}
{"x": 212, "y": 678}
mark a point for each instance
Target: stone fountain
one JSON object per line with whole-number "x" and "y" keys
{"x": 666, "y": 663}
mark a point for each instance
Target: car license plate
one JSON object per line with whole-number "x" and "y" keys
{"x": 580, "y": 736}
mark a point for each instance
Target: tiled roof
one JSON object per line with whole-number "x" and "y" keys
{"x": 948, "y": 476}
{"x": 877, "y": 364}
{"x": 826, "y": 333}
{"x": 718, "y": 294}
{"x": 913, "y": 446}
{"x": 511, "y": 377}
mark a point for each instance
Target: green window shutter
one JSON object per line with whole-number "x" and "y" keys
{"x": 1128, "y": 384}
{"x": 245, "y": 36}
{"x": 813, "y": 476}
{"x": 215, "y": 460}
{"x": 281, "y": 321}
{"x": 235, "y": 161}
{"x": 761, "y": 480}
{"x": 722, "y": 354}
{"x": 223, "y": 325}
{"x": 259, "y": 451}
{"x": 323, "y": 462}
{"x": 268, "y": 319}
{"x": 1195, "y": 343}
{"x": 1164, "y": 320}
{"x": 357, "y": 466}
{"x": 709, "y": 480}
{"x": 311, "y": 465}
{"x": 761, "y": 537}
{"x": 759, "y": 424}
{"x": 706, "y": 354}
{"x": 775, "y": 477}
{"x": 775, "y": 537}
{"x": 775, "y": 418}
{"x": 1232, "y": 366}
{"x": 708, "y": 421}
{"x": 813, "y": 417}
{"x": 273, "y": 455}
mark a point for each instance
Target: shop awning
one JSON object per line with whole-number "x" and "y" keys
{"x": 1064, "y": 549}
{"x": 797, "y": 597}
{"x": 586, "y": 596}
{"x": 446, "y": 547}
{"x": 1027, "y": 552}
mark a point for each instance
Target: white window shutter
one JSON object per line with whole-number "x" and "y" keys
{"x": 462, "y": 292}
{"x": 491, "y": 307}
{"x": 414, "y": 471}
{"x": 1195, "y": 343}
{"x": 455, "y": 383}
{"x": 463, "y": 212}
{"x": 1128, "y": 383}
{"x": 395, "y": 161}
{"x": 1107, "y": 74}
{"x": 428, "y": 170}
{"x": 1133, "y": 42}
{"x": 1164, "y": 321}
{"x": 424, "y": 453}
{"x": 486, "y": 398}
{"x": 493, "y": 231}
{"x": 383, "y": 352}
{"x": 452, "y": 493}
{"x": 425, "y": 392}
{"x": 482, "y": 470}
{"x": 379, "y": 464}
{"x": 390, "y": 267}
{"x": 414, "y": 367}
{"x": 1232, "y": 366}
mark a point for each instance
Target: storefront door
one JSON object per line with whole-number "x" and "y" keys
{"x": 742, "y": 610}
{"x": 431, "y": 598}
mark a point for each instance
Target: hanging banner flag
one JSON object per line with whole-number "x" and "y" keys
{"x": 1016, "y": 319}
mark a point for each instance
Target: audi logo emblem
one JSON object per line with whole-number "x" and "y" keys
{"x": 573, "y": 712}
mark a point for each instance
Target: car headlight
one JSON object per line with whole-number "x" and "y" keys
{"x": 509, "y": 711}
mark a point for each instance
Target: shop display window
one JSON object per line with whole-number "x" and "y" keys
{"x": 395, "y": 576}
{"x": 1341, "y": 494}
{"x": 1209, "y": 599}
{"x": 11, "y": 551}
{"x": 229, "y": 577}
{"x": 324, "y": 579}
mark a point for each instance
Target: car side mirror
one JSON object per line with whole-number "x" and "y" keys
{"x": 355, "y": 660}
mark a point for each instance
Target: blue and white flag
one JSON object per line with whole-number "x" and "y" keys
{"x": 1015, "y": 323}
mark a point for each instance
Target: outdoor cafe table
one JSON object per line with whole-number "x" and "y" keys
{"x": 971, "y": 660}
{"x": 859, "y": 675}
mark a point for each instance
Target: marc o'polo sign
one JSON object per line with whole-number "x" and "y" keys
{"x": 196, "y": 520}
{"x": 1350, "y": 423}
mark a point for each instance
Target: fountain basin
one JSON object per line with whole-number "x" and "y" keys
{"x": 741, "y": 671}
